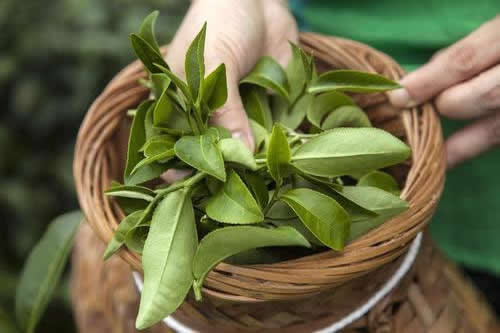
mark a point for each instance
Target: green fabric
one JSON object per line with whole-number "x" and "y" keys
{"x": 467, "y": 223}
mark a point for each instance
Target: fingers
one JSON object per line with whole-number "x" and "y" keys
{"x": 473, "y": 140}
{"x": 475, "y": 98}
{"x": 460, "y": 62}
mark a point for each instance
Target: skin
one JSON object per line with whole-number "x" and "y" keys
{"x": 463, "y": 80}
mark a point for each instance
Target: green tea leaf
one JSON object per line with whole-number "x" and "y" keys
{"x": 234, "y": 203}
{"x": 146, "y": 172}
{"x": 261, "y": 136}
{"x": 223, "y": 133}
{"x": 195, "y": 64}
{"x": 351, "y": 80}
{"x": 147, "y": 30}
{"x": 137, "y": 138}
{"x": 201, "y": 152}
{"x": 346, "y": 116}
{"x": 131, "y": 191}
{"x": 269, "y": 74}
{"x": 256, "y": 104}
{"x": 215, "y": 88}
{"x": 183, "y": 87}
{"x": 147, "y": 54}
{"x": 119, "y": 236}
{"x": 147, "y": 162}
{"x": 43, "y": 269}
{"x": 136, "y": 237}
{"x": 278, "y": 154}
{"x": 162, "y": 110}
{"x": 223, "y": 243}
{"x": 234, "y": 150}
{"x": 323, "y": 104}
{"x": 167, "y": 259}
{"x": 361, "y": 227}
{"x": 158, "y": 144}
{"x": 298, "y": 71}
{"x": 7, "y": 324}
{"x": 293, "y": 117}
{"x": 381, "y": 180}
{"x": 342, "y": 151}
{"x": 257, "y": 185}
{"x": 160, "y": 83}
{"x": 297, "y": 224}
{"x": 321, "y": 214}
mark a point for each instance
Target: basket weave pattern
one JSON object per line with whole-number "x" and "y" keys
{"x": 99, "y": 159}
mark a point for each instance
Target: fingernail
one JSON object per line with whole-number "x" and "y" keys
{"x": 401, "y": 98}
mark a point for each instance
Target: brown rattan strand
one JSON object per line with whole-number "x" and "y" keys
{"x": 433, "y": 298}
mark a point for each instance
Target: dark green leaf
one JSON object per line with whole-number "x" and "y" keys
{"x": 119, "y": 236}
{"x": 146, "y": 173}
{"x": 321, "y": 214}
{"x": 167, "y": 258}
{"x": 293, "y": 117}
{"x": 381, "y": 180}
{"x": 234, "y": 203}
{"x": 195, "y": 64}
{"x": 261, "y": 136}
{"x": 342, "y": 151}
{"x": 269, "y": 74}
{"x": 201, "y": 152}
{"x": 160, "y": 83}
{"x": 257, "y": 185}
{"x": 323, "y": 104}
{"x": 346, "y": 116}
{"x": 147, "y": 54}
{"x": 43, "y": 270}
{"x": 136, "y": 237}
{"x": 234, "y": 150}
{"x": 147, "y": 162}
{"x": 351, "y": 80}
{"x": 147, "y": 30}
{"x": 278, "y": 154}
{"x": 256, "y": 104}
{"x": 223, "y": 243}
{"x": 215, "y": 88}
{"x": 297, "y": 224}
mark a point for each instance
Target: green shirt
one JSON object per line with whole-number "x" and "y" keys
{"x": 467, "y": 223}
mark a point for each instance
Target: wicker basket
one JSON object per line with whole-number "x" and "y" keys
{"x": 312, "y": 290}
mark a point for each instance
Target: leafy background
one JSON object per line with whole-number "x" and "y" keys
{"x": 56, "y": 56}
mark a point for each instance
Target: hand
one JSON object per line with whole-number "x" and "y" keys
{"x": 238, "y": 34}
{"x": 465, "y": 81}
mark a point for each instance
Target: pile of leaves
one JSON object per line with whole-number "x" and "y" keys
{"x": 313, "y": 181}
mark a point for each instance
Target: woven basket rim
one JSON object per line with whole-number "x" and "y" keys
{"x": 93, "y": 166}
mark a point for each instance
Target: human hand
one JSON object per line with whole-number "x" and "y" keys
{"x": 465, "y": 81}
{"x": 238, "y": 34}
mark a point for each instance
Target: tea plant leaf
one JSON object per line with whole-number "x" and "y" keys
{"x": 352, "y": 81}
{"x": 195, "y": 64}
{"x": 234, "y": 203}
{"x": 119, "y": 236}
{"x": 215, "y": 88}
{"x": 147, "y": 54}
{"x": 162, "y": 110}
{"x": 258, "y": 187}
{"x": 346, "y": 116}
{"x": 298, "y": 71}
{"x": 160, "y": 83}
{"x": 278, "y": 154}
{"x": 146, "y": 172}
{"x": 136, "y": 237}
{"x": 293, "y": 117}
{"x": 261, "y": 136}
{"x": 234, "y": 150}
{"x": 158, "y": 144}
{"x": 381, "y": 180}
{"x": 342, "y": 151}
{"x": 323, "y": 104}
{"x": 183, "y": 87}
{"x": 131, "y": 191}
{"x": 43, "y": 269}
{"x": 223, "y": 243}
{"x": 321, "y": 214}
{"x": 269, "y": 74}
{"x": 201, "y": 152}
{"x": 147, "y": 30}
{"x": 149, "y": 161}
{"x": 223, "y": 133}
{"x": 256, "y": 104}
{"x": 361, "y": 227}
{"x": 167, "y": 258}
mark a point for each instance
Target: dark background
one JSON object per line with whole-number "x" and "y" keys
{"x": 55, "y": 57}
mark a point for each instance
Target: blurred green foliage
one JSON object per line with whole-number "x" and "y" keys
{"x": 56, "y": 56}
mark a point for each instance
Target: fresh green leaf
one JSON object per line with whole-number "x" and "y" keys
{"x": 161, "y": 157}
{"x": 261, "y": 136}
{"x": 215, "y": 88}
{"x": 195, "y": 64}
{"x": 136, "y": 237}
{"x": 167, "y": 258}
{"x": 146, "y": 172}
{"x": 119, "y": 236}
{"x": 297, "y": 224}
{"x": 323, "y": 104}
{"x": 223, "y": 243}
{"x": 158, "y": 144}
{"x": 162, "y": 110}
{"x": 160, "y": 83}
{"x": 177, "y": 123}
{"x": 298, "y": 71}
{"x": 381, "y": 180}
{"x": 344, "y": 150}
{"x": 278, "y": 154}
{"x": 149, "y": 127}
{"x": 269, "y": 74}
{"x": 257, "y": 185}
{"x": 321, "y": 214}
{"x": 147, "y": 54}
{"x": 147, "y": 30}
{"x": 183, "y": 87}
{"x": 201, "y": 152}
{"x": 234, "y": 203}
{"x": 131, "y": 191}
{"x": 234, "y": 150}
{"x": 256, "y": 104}
{"x": 223, "y": 133}
{"x": 346, "y": 116}
{"x": 351, "y": 80}
{"x": 293, "y": 117}
{"x": 361, "y": 227}
{"x": 43, "y": 270}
